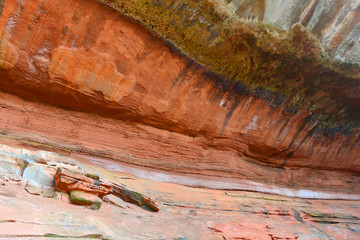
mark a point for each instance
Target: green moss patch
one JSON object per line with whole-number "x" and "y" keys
{"x": 86, "y": 199}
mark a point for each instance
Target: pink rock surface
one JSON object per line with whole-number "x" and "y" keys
{"x": 188, "y": 213}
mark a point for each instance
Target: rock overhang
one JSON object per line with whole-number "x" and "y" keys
{"x": 265, "y": 95}
{"x": 295, "y": 50}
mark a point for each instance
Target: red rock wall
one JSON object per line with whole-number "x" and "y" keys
{"x": 85, "y": 136}
{"x": 82, "y": 55}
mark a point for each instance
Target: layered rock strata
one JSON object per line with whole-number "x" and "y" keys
{"x": 110, "y": 142}
{"x": 152, "y": 106}
{"x": 50, "y": 177}
{"x": 187, "y": 213}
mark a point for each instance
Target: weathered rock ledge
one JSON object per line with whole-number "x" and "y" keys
{"x": 135, "y": 99}
{"x": 187, "y": 213}
{"x": 173, "y": 157}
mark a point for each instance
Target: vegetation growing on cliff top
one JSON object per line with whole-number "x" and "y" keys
{"x": 288, "y": 63}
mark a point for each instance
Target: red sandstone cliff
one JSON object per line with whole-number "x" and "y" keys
{"x": 131, "y": 97}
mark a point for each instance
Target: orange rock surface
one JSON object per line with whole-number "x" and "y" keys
{"x": 135, "y": 99}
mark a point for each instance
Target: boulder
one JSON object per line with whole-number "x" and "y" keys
{"x": 11, "y": 167}
{"x": 40, "y": 179}
{"x": 40, "y": 174}
{"x": 69, "y": 181}
{"x": 86, "y": 199}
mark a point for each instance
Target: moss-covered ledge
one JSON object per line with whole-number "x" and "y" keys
{"x": 289, "y": 63}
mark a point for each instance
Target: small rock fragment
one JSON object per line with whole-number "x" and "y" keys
{"x": 62, "y": 196}
{"x": 134, "y": 197}
{"x": 33, "y": 190}
{"x": 113, "y": 200}
{"x": 48, "y": 193}
{"x": 38, "y": 189}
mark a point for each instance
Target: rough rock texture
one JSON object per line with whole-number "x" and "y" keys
{"x": 305, "y": 62}
{"x": 260, "y": 95}
{"x": 186, "y": 213}
{"x": 334, "y": 23}
{"x": 158, "y": 108}
{"x": 95, "y": 136}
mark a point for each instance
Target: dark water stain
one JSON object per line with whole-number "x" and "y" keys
{"x": 281, "y": 130}
{"x": 306, "y": 122}
{"x": 300, "y": 144}
{"x": 297, "y": 216}
{"x": 2, "y": 4}
{"x": 180, "y": 78}
{"x": 327, "y": 18}
{"x": 66, "y": 28}
{"x": 274, "y": 100}
{"x": 229, "y": 114}
{"x": 35, "y": 18}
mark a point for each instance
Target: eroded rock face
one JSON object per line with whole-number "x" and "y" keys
{"x": 157, "y": 108}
